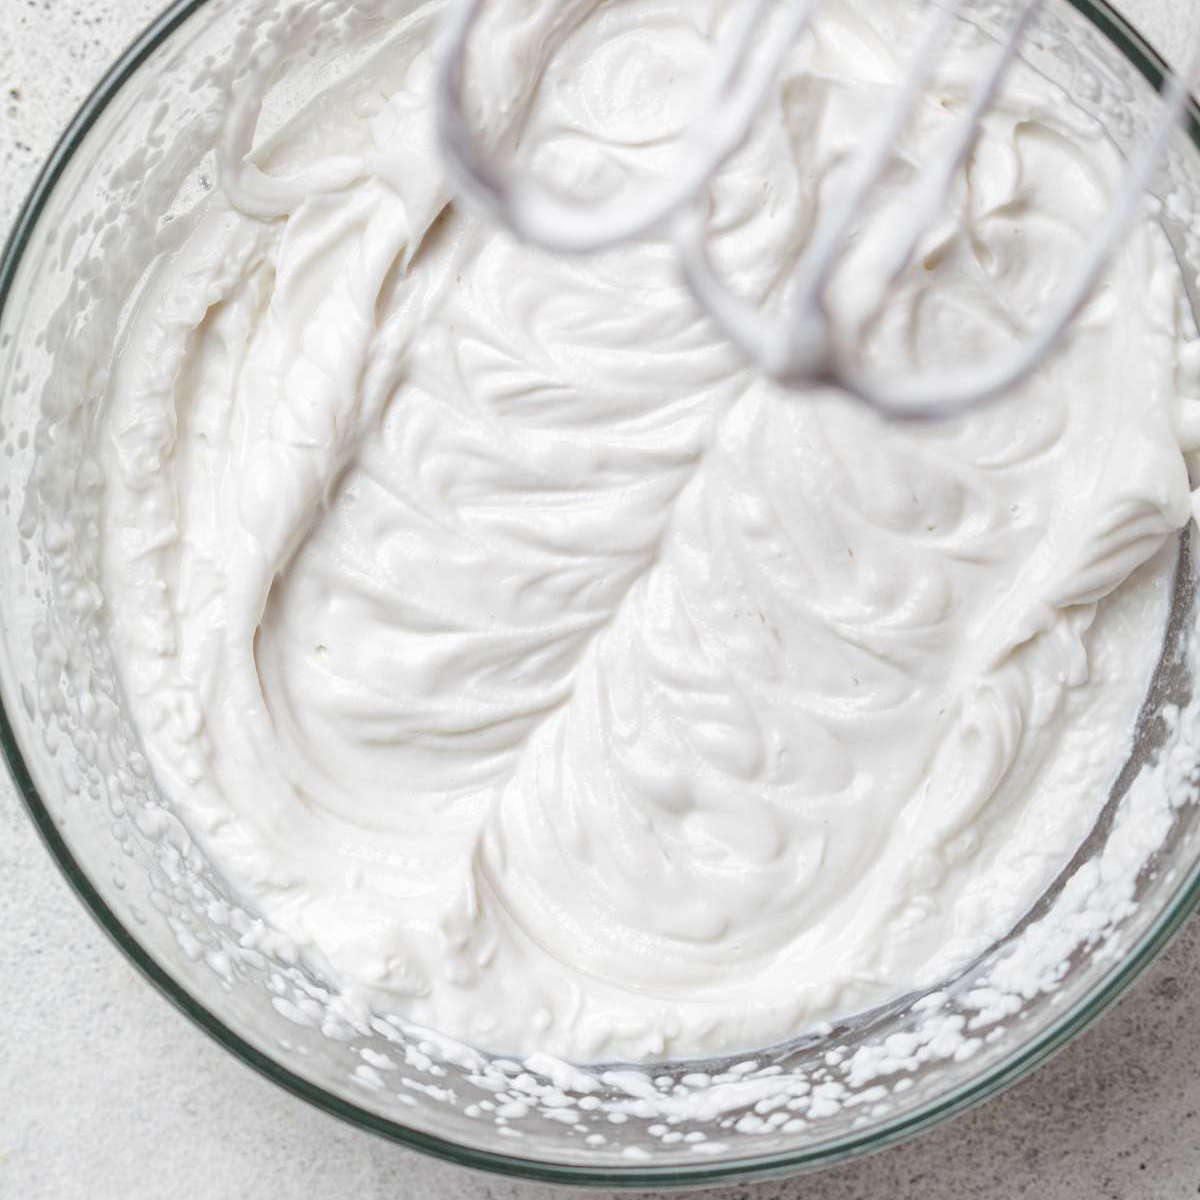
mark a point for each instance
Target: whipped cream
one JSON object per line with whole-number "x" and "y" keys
{"x": 542, "y": 672}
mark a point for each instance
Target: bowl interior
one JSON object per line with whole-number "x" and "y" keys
{"x": 115, "y": 193}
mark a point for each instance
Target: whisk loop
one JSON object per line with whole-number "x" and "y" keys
{"x": 804, "y": 346}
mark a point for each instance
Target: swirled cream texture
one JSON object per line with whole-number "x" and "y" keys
{"x": 540, "y": 671}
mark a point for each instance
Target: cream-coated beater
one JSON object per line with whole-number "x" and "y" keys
{"x": 805, "y": 345}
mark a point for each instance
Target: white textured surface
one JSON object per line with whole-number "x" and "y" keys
{"x": 106, "y": 1091}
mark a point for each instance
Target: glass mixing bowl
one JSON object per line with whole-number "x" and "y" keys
{"x": 138, "y": 154}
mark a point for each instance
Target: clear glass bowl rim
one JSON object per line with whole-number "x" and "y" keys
{"x": 1148, "y": 63}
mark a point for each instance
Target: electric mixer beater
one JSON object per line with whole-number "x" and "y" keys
{"x": 805, "y": 345}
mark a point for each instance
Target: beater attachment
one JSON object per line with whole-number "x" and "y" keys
{"x": 804, "y": 346}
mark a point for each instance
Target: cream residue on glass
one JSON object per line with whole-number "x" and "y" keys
{"x": 542, "y": 672}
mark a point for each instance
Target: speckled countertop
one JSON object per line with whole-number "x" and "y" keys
{"x": 107, "y": 1093}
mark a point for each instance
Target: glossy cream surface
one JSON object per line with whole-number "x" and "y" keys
{"x": 541, "y": 672}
